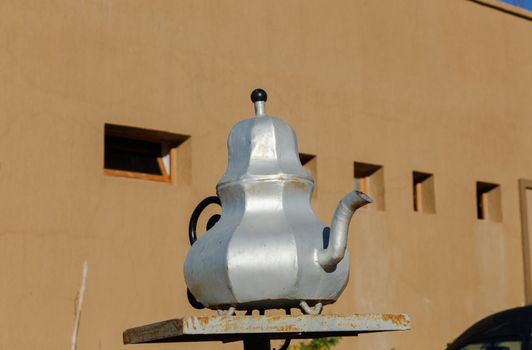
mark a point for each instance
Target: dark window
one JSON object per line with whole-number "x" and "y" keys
{"x": 369, "y": 178}
{"x": 489, "y": 201}
{"x": 139, "y": 153}
{"x": 310, "y": 163}
{"x": 306, "y": 158}
{"x": 423, "y": 192}
{"x": 133, "y": 155}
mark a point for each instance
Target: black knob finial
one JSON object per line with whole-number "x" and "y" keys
{"x": 259, "y": 95}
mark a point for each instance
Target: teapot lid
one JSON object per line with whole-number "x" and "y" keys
{"x": 262, "y": 148}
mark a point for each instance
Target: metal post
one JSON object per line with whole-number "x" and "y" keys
{"x": 257, "y": 343}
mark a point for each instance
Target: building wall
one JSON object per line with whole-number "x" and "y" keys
{"x": 435, "y": 86}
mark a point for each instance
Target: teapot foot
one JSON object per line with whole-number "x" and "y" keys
{"x": 228, "y": 312}
{"x": 307, "y": 310}
{"x": 249, "y": 312}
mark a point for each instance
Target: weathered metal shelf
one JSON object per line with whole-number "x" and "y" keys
{"x": 234, "y": 328}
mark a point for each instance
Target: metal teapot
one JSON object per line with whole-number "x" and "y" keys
{"x": 268, "y": 250}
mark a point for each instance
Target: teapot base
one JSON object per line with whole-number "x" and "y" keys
{"x": 276, "y": 304}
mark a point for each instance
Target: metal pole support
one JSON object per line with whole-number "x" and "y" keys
{"x": 257, "y": 343}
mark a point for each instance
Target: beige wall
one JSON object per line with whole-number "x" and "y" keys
{"x": 434, "y": 86}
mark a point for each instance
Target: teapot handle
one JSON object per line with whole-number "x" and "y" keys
{"x": 192, "y": 225}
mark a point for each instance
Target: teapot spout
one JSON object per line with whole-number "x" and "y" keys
{"x": 335, "y": 250}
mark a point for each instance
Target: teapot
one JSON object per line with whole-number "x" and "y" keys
{"x": 268, "y": 250}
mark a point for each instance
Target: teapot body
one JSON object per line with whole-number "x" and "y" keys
{"x": 262, "y": 253}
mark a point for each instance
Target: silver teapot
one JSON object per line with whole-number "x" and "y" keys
{"x": 268, "y": 249}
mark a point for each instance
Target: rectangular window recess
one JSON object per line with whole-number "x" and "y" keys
{"x": 310, "y": 163}
{"x": 306, "y": 158}
{"x": 489, "y": 201}
{"x": 369, "y": 178}
{"x": 140, "y": 153}
{"x": 423, "y": 192}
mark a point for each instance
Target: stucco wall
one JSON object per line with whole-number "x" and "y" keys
{"x": 435, "y": 86}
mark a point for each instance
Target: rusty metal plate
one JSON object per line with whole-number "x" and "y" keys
{"x": 232, "y": 328}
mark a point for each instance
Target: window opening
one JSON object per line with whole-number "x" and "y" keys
{"x": 139, "y": 153}
{"x": 423, "y": 192}
{"x": 310, "y": 163}
{"x": 369, "y": 178}
{"x": 489, "y": 201}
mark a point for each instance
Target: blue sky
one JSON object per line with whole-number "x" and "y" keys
{"x": 526, "y": 4}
